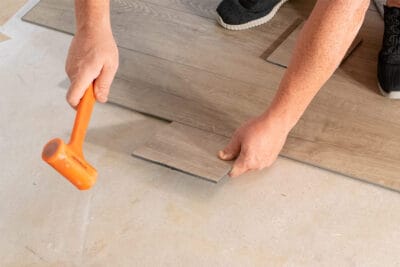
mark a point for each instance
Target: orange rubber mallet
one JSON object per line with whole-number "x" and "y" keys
{"x": 68, "y": 159}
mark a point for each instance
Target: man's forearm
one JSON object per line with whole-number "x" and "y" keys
{"x": 92, "y": 15}
{"x": 320, "y": 47}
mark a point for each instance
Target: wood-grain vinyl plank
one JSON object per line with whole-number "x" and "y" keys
{"x": 345, "y": 137}
{"x": 8, "y": 8}
{"x": 179, "y": 37}
{"x": 282, "y": 55}
{"x": 348, "y": 127}
{"x": 187, "y": 149}
{"x": 345, "y": 129}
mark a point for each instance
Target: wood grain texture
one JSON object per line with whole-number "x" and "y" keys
{"x": 283, "y": 54}
{"x": 186, "y": 69}
{"x": 334, "y": 133}
{"x": 377, "y": 6}
{"x": 346, "y": 140}
{"x": 8, "y": 8}
{"x": 179, "y": 36}
{"x": 187, "y": 149}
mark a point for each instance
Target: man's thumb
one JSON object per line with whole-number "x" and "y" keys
{"x": 77, "y": 90}
{"x": 103, "y": 83}
{"x": 231, "y": 151}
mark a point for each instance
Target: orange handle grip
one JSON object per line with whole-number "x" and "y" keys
{"x": 84, "y": 111}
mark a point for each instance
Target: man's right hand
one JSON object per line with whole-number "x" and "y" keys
{"x": 93, "y": 56}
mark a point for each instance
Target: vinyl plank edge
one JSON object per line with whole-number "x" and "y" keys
{"x": 174, "y": 168}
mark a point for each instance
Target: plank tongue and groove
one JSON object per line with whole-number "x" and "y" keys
{"x": 187, "y": 149}
{"x": 282, "y": 55}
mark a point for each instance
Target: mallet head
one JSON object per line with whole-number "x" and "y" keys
{"x": 70, "y": 163}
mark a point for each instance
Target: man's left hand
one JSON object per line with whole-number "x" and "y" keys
{"x": 255, "y": 145}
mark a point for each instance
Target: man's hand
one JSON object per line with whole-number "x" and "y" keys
{"x": 256, "y": 144}
{"x": 93, "y": 56}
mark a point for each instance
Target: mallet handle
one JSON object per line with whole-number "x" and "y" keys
{"x": 82, "y": 118}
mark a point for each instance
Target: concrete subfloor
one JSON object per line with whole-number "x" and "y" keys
{"x": 142, "y": 214}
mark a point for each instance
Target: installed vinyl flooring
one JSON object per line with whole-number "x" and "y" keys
{"x": 178, "y": 64}
{"x": 282, "y": 54}
{"x": 7, "y": 9}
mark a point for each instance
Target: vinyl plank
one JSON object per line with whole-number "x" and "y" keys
{"x": 351, "y": 85}
{"x": 347, "y": 128}
{"x": 377, "y": 8}
{"x": 186, "y": 94}
{"x": 331, "y": 133}
{"x": 205, "y": 8}
{"x": 8, "y": 8}
{"x": 193, "y": 41}
{"x": 354, "y": 136}
{"x": 180, "y": 37}
{"x": 187, "y": 149}
{"x": 282, "y": 55}
{"x": 372, "y": 6}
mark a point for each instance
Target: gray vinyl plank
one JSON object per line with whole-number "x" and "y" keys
{"x": 187, "y": 149}
{"x": 353, "y": 144}
{"x": 282, "y": 55}
{"x": 346, "y": 129}
{"x": 179, "y": 36}
{"x": 8, "y": 8}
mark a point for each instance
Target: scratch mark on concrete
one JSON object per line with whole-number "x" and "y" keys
{"x": 21, "y": 79}
{"x": 85, "y": 224}
{"x": 35, "y": 253}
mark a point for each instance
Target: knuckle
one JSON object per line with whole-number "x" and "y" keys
{"x": 70, "y": 99}
{"x": 246, "y": 153}
{"x": 113, "y": 65}
{"x": 248, "y": 163}
{"x": 253, "y": 162}
{"x": 68, "y": 70}
{"x": 102, "y": 87}
{"x": 228, "y": 150}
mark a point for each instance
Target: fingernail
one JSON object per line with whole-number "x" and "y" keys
{"x": 102, "y": 98}
{"x": 227, "y": 156}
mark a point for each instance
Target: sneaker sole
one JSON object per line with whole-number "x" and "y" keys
{"x": 391, "y": 95}
{"x": 252, "y": 23}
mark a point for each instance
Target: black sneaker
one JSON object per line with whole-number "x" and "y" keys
{"x": 389, "y": 56}
{"x": 245, "y": 14}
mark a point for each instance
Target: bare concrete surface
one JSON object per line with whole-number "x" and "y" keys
{"x": 142, "y": 214}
